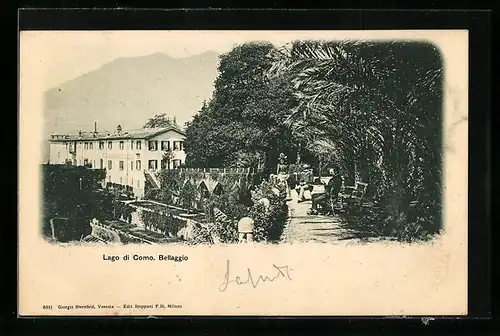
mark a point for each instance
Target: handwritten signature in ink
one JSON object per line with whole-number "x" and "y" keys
{"x": 282, "y": 272}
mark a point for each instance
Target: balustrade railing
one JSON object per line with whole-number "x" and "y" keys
{"x": 222, "y": 170}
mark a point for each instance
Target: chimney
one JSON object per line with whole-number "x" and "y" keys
{"x": 80, "y": 134}
{"x": 119, "y": 129}
{"x": 95, "y": 126}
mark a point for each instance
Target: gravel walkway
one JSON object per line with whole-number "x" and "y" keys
{"x": 303, "y": 228}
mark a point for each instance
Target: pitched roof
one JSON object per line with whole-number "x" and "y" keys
{"x": 142, "y": 133}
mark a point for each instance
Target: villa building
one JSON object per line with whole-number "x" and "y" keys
{"x": 130, "y": 157}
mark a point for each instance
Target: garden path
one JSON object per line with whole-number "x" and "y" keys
{"x": 302, "y": 227}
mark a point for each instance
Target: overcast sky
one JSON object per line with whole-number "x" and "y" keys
{"x": 64, "y": 55}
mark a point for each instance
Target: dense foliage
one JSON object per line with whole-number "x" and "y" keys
{"x": 160, "y": 120}
{"x": 237, "y": 198}
{"x": 175, "y": 190}
{"x": 165, "y": 224}
{"x": 73, "y": 192}
{"x": 76, "y": 193}
{"x": 375, "y": 109}
{"x": 242, "y": 125}
{"x": 182, "y": 187}
{"x": 268, "y": 222}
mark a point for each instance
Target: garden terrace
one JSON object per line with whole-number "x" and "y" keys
{"x": 131, "y": 232}
{"x": 158, "y": 238}
{"x": 119, "y": 225}
{"x": 157, "y": 207}
{"x": 161, "y": 208}
{"x": 199, "y": 217}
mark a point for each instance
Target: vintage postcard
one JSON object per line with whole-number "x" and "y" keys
{"x": 271, "y": 173}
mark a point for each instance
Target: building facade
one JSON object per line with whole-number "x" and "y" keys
{"x": 130, "y": 157}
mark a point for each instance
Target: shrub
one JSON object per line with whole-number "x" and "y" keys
{"x": 235, "y": 202}
{"x": 394, "y": 219}
{"x": 188, "y": 195}
{"x": 226, "y": 230}
{"x": 72, "y": 192}
{"x": 269, "y": 224}
{"x": 201, "y": 236}
{"x": 123, "y": 210}
{"x": 166, "y": 224}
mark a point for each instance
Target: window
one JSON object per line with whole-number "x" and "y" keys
{"x": 85, "y": 145}
{"x": 101, "y": 164}
{"x": 153, "y": 164}
{"x": 138, "y": 165}
{"x": 176, "y": 163}
{"x": 165, "y": 145}
{"x": 122, "y": 144}
{"x": 121, "y": 165}
{"x": 101, "y": 144}
{"x": 138, "y": 144}
{"x": 66, "y": 146}
{"x": 110, "y": 144}
{"x": 153, "y": 145}
{"x": 85, "y": 162}
{"x": 178, "y": 145}
{"x": 132, "y": 144}
{"x": 91, "y": 145}
{"x": 163, "y": 164}
{"x": 110, "y": 164}
{"x": 131, "y": 165}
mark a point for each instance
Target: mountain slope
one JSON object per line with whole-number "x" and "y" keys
{"x": 128, "y": 91}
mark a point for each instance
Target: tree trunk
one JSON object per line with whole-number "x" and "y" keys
{"x": 320, "y": 167}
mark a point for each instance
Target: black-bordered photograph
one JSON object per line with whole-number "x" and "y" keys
{"x": 161, "y": 151}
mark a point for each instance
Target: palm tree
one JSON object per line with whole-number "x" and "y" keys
{"x": 376, "y": 106}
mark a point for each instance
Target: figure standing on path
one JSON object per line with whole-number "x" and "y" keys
{"x": 332, "y": 189}
{"x": 291, "y": 183}
{"x": 304, "y": 182}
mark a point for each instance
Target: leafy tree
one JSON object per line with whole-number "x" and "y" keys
{"x": 160, "y": 120}
{"x": 74, "y": 192}
{"x": 171, "y": 184}
{"x": 167, "y": 156}
{"x": 188, "y": 195}
{"x": 243, "y": 123}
